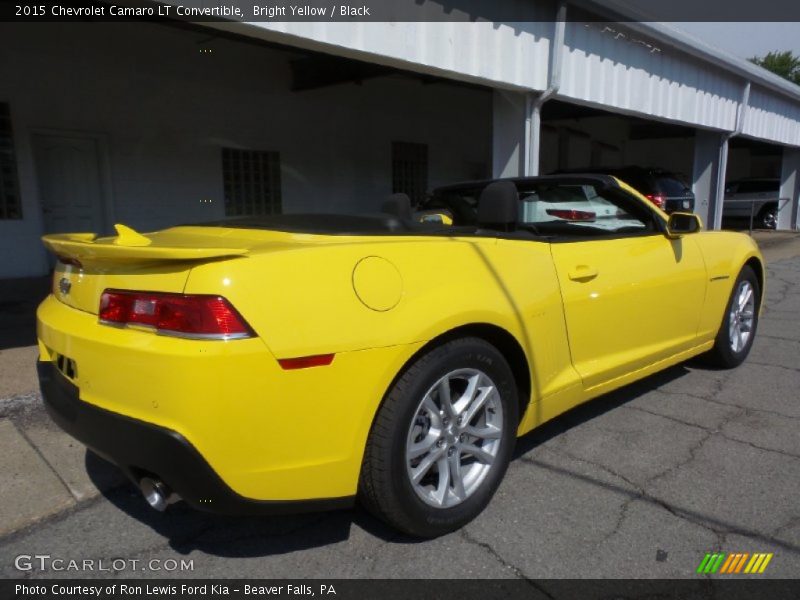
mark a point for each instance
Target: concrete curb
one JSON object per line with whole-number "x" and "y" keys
{"x": 44, "y": 471}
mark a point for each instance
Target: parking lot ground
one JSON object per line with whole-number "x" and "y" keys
{"x": 642, "y": 482}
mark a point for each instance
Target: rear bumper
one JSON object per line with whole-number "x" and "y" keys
{"x": 143, "y": 449}
{"x": 230, "y": 412}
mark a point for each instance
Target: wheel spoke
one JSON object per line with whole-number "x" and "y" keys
{"x": 744, "y": 335}
{"x": 444, "y": 480}
{"x": 469, "y": 394}
{"x": 484, "y": 433}
{"x": 422, "y": 468}
{"x": 444, "y": 398}
{"x": 477, "y": 403}
{"x": 744, "y": 297}
{"x": 433, "y": 411}
{"x": 423, "y": 446}
{"x": 456, "y": 476}
{"x": 479, "y": 454}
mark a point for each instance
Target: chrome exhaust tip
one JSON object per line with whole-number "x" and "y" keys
{"x": 157, "y": 494}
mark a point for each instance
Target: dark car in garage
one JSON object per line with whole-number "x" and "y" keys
{"x": 666, "y": 189}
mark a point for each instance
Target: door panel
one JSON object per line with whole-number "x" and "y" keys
{"x": 629, "y": 301}
{"x": 70, "y": 180}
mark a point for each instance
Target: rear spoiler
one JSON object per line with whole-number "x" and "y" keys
{"x": 128, "y": 246}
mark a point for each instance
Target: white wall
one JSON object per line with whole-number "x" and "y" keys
{"x": 165, "y": 109}
{"x": 508, "y": 133}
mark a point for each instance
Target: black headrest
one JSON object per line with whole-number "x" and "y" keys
{"x": 498, "y": 205}
{"x": 398, "y": 205}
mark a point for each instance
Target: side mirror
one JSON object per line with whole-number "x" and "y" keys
{"x": 681, "y": 223}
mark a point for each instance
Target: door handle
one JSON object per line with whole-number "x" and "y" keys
{"x": 583, "y": 273}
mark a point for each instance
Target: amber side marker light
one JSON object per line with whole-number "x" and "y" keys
{"x": 304, "y": 362}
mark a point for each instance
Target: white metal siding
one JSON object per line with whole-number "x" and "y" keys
{"x": 607, "y": 65}
{"x": 770, "y": 117}
{"x": 599, "y": 68}
{"x": 513, "y": 55}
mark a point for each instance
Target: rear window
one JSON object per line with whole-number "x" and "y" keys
{"x": 672, "y": 186}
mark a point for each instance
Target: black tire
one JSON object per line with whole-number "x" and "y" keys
{"x": 723, "y": 354}
{"x": 385, "y": 487}
{"x": 768, "y": 217}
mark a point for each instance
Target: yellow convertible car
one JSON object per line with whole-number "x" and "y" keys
{"x": 303, "y": 361}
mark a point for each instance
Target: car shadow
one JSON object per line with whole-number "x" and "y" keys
{"x": 598, "y": 406}
{"x": 186, "y": 529}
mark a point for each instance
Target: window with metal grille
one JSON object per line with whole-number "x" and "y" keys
{"x": 252, "y": 182}
{"x": 10, "y": 207}
{"x": 410, "y": 170}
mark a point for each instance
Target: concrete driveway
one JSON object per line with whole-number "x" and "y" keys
{"x": 640, "y": 483}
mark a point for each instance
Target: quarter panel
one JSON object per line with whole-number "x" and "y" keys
{"x": 302, "y": 302}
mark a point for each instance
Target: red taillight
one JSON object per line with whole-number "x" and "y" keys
{"x": 193, "y": 316}
{"x": 304, "y": 362}
{"x": 659, "y": 201}
{"x": 572, "y": 215}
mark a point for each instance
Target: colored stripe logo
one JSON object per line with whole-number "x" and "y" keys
{"x": 734, "y": 563}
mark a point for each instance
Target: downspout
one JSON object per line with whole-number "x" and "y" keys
{"x": 723, "y": 156}
{"x": 534, "y": 102}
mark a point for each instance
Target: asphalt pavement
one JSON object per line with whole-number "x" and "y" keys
{"x": 642, "y": 482}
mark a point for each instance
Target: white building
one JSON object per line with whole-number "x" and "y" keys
{"x": 154, "y": 124}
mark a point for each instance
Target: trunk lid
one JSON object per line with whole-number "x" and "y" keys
{"x": 159, "y": 261}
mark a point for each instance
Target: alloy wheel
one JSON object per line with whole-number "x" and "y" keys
{"x": 741, "y": 317}
{"x": 454, "y": 438}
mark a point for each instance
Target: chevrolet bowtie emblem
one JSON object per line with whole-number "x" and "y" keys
{"x": 64, "y": 286}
